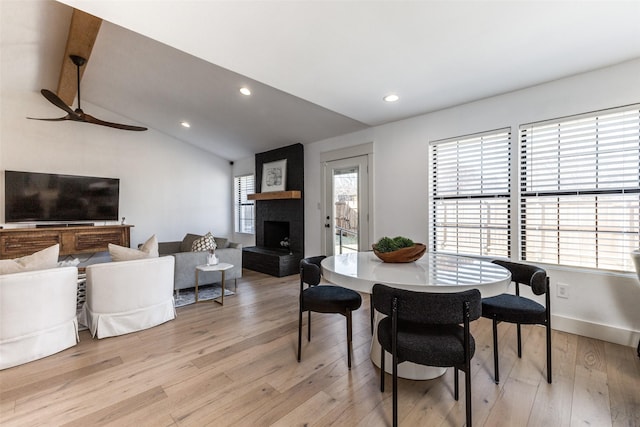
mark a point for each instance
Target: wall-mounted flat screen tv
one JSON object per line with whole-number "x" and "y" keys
{"x": 35, "y": 197}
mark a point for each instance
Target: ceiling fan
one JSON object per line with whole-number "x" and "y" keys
{"x": 78, "y": 115}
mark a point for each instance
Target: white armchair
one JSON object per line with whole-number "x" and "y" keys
{"x": 129, "y": 296}
{"x": 635, "y": 255}
{"x": 37, "y": 314}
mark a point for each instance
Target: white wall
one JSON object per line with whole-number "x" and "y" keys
{"x": 167, "y": 187}
{"x": 601, "y": 305}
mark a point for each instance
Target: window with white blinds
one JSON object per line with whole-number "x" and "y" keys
{"x": 244, "y": 208}
{"x": 470, "y": 194}
{"x": 580, "y": 189}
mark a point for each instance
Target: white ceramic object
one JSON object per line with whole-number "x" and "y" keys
{"x": 212, "y": 259}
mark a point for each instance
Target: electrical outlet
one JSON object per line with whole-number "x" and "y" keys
{"x": 562, "y": 290}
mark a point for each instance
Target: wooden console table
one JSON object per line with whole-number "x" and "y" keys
{"x": 18, "y": 242}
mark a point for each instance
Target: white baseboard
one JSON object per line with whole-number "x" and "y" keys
{"x": 607, "y": 333}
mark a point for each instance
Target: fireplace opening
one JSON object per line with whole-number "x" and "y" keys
{"x": 275, "y": 234}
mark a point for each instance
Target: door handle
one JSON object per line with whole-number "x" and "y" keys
{"x": 327, "y": 226}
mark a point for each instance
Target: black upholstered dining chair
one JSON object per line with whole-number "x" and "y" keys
{"x": 514, "y": 308}
{"x": 324, "y": 299}
{"x": 425, "y": 328}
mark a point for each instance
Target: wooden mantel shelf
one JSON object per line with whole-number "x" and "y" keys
{"x": 275, "y": 195}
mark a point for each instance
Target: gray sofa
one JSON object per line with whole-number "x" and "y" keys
{"x": 186, "y": 261}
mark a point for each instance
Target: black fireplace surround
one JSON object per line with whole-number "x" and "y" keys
{"x": 280, "y": 220}
{"x": 276, "y": 235}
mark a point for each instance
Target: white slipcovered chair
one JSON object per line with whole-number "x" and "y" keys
{"x": 37, "y": 314}
{"x": 129, "y": 296}
{"x": 635, "y": 255}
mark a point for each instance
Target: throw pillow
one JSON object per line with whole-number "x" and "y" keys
{"x": 221, "y": 242}
{"x": 41, "y": 260}
{"x": 148, "y": 250}
{"x": 204, "y": 243}
{"x": 151, "y": 247}
{"x": 187, "y": 242}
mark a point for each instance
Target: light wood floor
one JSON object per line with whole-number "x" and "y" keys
{"x": 236, "y": 365}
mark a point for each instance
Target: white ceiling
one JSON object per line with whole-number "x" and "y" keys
{"x": 319, "y": 69}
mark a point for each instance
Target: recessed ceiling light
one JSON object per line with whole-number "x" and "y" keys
{"x": 245, "y": 91}
{"x": 391, "y": 98}
{"x": 185, "y": 124}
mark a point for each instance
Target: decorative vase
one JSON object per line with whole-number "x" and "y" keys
{"x": 409, "y": 254}
{"x": 212, "y": 258}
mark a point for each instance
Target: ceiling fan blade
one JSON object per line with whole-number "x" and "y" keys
{"x": 78, "y": 115}
{"x": 91, "y": 119}
{"x": 50, "y": 120}
{"x": 55, "y": 100}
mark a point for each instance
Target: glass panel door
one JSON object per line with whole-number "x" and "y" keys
{"x": 346, "y": 228}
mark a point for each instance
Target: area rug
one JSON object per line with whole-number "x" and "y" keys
{"x": 209, "y": 292}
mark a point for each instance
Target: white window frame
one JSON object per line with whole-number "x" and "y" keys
{"x": 244, "y": 211}
{"x": 471, "y": 203}
{"x": 579, "y": 189}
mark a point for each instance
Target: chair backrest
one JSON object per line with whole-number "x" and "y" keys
{"x": 635, "y": 255}
{"x": 37, "y": 300}
{"x": 427, "y": 307}
{"x": 310, "y": 270}
{"x": 129, "y": 285}
{"x": 37, "y": 314}
{"x": 528, "y": 275}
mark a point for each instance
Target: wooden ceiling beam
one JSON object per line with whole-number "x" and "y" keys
{"x": 83, "y": 32}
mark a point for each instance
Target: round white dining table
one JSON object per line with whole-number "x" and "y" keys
{"x": 431, "y": 273}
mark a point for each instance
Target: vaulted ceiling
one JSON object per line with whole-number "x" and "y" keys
{"x": 318, "y": 69}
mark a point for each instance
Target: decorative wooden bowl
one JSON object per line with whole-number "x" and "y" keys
{"x": 409, "y": 254}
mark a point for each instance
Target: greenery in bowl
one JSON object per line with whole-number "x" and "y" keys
{"x": 387, "y": 244}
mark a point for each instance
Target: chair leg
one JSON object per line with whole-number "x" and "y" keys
{"x": 496, "y": 377}
{"x": 395, "y": 390}
{"x": 309, "y": 327}
{"x": 382, "y": 371}
{"x": 519, "y": 340}
{"x": 371, "y": 310}
{"x": 349, "y": 337}
{"x": 455, "y": 383}
{"x": 299, "y": 333}
{"x": 548, "y": 353}
{"x": 467, "y": 394}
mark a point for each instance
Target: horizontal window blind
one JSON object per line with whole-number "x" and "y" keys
{"x": 244, "y": 208}
{"x": 580, "y": 189}
{"x": 470, "y": 191}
